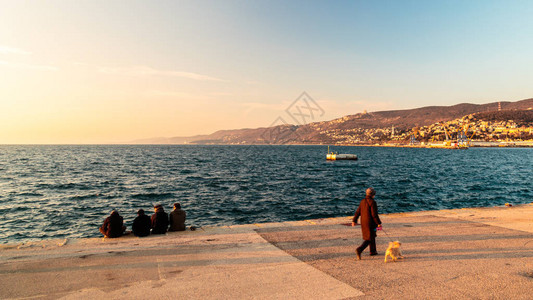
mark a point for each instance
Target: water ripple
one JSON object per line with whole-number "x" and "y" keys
{"x": 67, "y": 191}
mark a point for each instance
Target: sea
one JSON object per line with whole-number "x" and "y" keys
{"x": 66, "y": 191}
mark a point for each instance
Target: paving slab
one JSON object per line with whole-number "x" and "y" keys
{"x": 222, "y": 264}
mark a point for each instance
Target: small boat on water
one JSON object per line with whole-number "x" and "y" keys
{"x": 336, "y": 156}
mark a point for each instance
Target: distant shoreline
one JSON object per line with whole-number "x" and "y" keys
{"x": 525, "y": 144}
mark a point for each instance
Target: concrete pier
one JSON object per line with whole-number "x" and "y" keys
{"x": 476, "y": 253}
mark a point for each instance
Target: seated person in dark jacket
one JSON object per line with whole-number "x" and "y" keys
{"x": 159, "y": 220}
{"x": 113, "y": 226}
{"x": 141, "y": 224}
{"x": 177, "y": 218}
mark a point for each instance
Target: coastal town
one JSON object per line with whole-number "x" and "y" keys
{"x": 496, "y": 124}
{"x": 467, "y": 125}
{"x": 482, "y": 129}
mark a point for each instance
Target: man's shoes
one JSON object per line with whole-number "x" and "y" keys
{"x": 358, "y": 254}
{"x": 375, "y": 253}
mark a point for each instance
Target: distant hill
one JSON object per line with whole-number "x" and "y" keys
{"x": 171, "y": 140}
{"x": 408, "y": 118}
{"x": 337, "y": 129}
{"x": 520, "y": 117}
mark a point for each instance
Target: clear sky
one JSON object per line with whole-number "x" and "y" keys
{"x": 116, "y": 71}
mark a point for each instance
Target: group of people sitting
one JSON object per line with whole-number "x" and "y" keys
{"x": 144, "y": 225}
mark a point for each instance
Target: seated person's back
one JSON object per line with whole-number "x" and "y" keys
{"x": 177, "y": 218}
{"x": 159, "y": 220}
{"x": 113, "y": 226}
{"x": 141, "y": 224}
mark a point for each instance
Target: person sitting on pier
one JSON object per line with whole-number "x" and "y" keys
{"x": 113, "y": 226}
{"x": 159, "y": 220}
{"x": 142, "y": 224}
{"x": 177, "y": 218}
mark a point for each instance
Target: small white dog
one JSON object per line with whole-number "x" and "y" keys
{"x": 394, "y": 251}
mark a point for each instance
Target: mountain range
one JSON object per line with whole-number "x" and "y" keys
{"x": 356, "y": 125}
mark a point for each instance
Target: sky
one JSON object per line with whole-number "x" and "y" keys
{"x": 85, "y": 72}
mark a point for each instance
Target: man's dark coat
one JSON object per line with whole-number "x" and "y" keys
{"x": 368, "y": 210}
{"x": 113, "y": 226}
{"x": 141, "y": 225}
{"x": 159, "y": 222}
{"x": 177, "y": 220}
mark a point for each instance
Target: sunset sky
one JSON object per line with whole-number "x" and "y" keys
{"x": 117, "y": 71}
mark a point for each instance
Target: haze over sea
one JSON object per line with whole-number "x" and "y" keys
{"x": 66, "y": 191}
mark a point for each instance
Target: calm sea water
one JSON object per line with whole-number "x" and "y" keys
{"x": 67, "y": 191}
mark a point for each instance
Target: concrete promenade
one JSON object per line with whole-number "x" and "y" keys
{"x": 478, "y": 253}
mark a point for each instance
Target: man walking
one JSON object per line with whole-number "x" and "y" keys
{"x": 368, "y": 211}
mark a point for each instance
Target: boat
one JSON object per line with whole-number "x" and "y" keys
{"x": 336, "y": 156}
